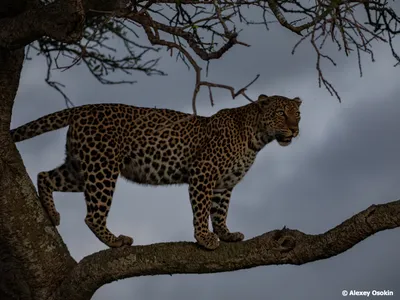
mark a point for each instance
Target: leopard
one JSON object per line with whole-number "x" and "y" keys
{"x": 156, "y": 146}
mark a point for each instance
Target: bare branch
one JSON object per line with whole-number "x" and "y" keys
{"x": 95, "y": 51}
{"x": 170, "y": 123}
{"x": 276, "y": 247}
{"x": 207, "y": 29}
{"x": 227, "y": 87}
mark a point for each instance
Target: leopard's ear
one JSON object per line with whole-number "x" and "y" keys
{"x": 262, "y": 97}
{"x": 297, "y": 100}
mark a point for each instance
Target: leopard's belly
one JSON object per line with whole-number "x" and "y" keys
{"x": 154, "y": 172}
{"x": 174, "y": 169}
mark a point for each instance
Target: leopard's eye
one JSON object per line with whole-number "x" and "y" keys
{"x": 297, "y": 114}
{"x": 280, "y": 112}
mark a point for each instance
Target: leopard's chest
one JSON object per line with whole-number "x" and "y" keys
{"x": 234, "y": 173}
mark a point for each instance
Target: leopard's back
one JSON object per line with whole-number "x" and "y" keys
{"x": 153, "y": 146}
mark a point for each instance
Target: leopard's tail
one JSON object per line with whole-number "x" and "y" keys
{"x": 44, "y": 124}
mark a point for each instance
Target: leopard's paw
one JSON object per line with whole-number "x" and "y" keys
{"x": 231, "y": 237}
{"x": 226, "y": 236}
{"x": 207, "y": 240}
{"x": 121, "y": 241}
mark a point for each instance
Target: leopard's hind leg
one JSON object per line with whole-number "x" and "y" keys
{"x": 65, "y": 178}
{"x": 100, "y": 177}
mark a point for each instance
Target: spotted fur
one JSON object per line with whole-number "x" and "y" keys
{"x": 160, "y": 147}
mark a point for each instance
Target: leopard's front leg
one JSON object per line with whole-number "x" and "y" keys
{"x": 201, "y": 183}
{"x": 219, "y": 213}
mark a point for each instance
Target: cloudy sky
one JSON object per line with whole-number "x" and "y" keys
{"x": 345, "y": 159}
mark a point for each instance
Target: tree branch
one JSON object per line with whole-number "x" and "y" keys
{"x": 61, "y": 20}
{"x": 206, "y": 29}
{"x": 276, "y": 247}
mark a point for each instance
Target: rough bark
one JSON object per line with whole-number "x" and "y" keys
{"x": 40, "y": 257}
{"x": 35, "y": 262}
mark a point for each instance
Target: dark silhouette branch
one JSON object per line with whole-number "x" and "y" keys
{"x": 276, "y": 247}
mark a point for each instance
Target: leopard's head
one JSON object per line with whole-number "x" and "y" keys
{"x": 280, "y": 117}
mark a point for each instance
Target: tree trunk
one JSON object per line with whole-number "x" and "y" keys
{"x": 34, "y": 258}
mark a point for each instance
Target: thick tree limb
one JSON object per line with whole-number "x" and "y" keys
{"x": 60, "y": 20}
{"x": 276, "y": 247}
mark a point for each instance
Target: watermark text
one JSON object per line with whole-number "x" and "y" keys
{"x": 370, "y": 293}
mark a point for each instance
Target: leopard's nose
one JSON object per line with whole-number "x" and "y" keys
{"x": 294, "y": 131}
